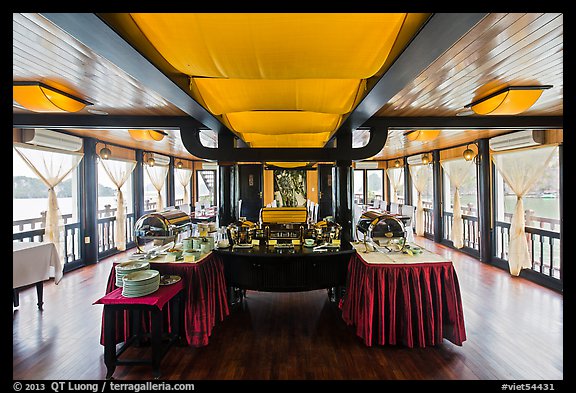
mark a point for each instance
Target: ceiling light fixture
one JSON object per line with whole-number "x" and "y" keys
{"x": 397, "y": 163}
{"x": 147, "y": 135}
{"x": 39, "y": 97}
{"x": 422, "y": 135}
{"x": 179, "y": 164}
{"x": 510, "y": 100}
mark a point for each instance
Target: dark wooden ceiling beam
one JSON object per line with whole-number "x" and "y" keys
{"x": 90, "y": 30}
{"x": 439, "y": 33}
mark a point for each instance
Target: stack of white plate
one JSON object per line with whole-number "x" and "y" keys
{"x": 128, "y": 267}
{"x": 141, "y": 283}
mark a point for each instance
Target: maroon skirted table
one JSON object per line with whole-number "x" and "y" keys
{"x": 116, "y": 304}
{"x": 404, "y": 301}
{"x": 204, "y": 298}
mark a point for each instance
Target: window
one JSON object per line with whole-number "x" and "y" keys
{"x": 107, "y": 194}
{"x": 30, "y": 202}
{"x": 114, "y": 228}
{"x": 206, "y": 187}
{"x": 182, "y": 186}
{"x": 541, "y": 203}
{"x": 396, "y": 183}
{"x": 374, "y": 185}
{"x": 461, "y": 229}
{"x": 359, "y": 186}
{"x": 150, "y": 192}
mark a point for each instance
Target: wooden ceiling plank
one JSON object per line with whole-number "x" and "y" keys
{"x": 472, "y": 52}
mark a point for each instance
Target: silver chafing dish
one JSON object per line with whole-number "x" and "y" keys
{"x": 383, "y": 230}
{"x": 161, "y": 227}
{"x": 326, "y": 231}
{"x": 242, "y": 232}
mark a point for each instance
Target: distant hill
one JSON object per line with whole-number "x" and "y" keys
{"x": 31, "y": 187}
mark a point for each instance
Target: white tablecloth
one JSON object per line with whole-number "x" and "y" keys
{"x": 34, "y": 262}
{"x": 377, "y": 257}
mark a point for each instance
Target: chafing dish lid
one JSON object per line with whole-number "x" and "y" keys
{"x": 161, "y": 224}
{"x": 380, "y": 225}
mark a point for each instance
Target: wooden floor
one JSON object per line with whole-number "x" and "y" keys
{"x": 514, "y": 330}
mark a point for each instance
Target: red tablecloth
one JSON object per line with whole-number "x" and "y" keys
{"x": 205, "y": 300}
{"x": 158, "y": 298}
{"x": 409, "y": 304}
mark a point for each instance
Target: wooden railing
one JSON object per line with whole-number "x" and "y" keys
{"x": 106, "y": 232}
{"x": 544, "y": 246}
{"x": 471, "y": 235}
{"x": 32, "y": 230}
{"x": 71, "y": 242}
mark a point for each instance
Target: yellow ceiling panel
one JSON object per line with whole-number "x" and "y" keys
{"x": 337, "y": 96}
{"x": 267, "y": 75}
{"x": 287, "y": 140}
{"x": 273, "y": 45}
{"x": 277, "y": 123}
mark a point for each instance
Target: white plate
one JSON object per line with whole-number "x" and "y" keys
{"x": 126, "y": 267}
{"x": 140, "y": 288}
{"x": 139, "y": 294}
{"x": 169, "y": 280}
{"x": 141, "y": 275}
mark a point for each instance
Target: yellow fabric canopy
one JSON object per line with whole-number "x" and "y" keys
{"x": 276, "y": 79}
{"x": 277, "y": 123}
{"x": 338, "y": 96}
{"x": 286, "y": 140}
{"x": 273, "y": 45}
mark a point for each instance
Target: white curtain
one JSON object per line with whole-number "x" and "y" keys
{"x": 51, "y": 166}
{"x": 157, "y": 175}
{"x": 458, "y": 171}
{"x": 184, "y": 175}
{"x": 520, "y": 170}
{"x": 420, "y": 176}
{"x": 119, "y": 171}
{"x": 396, "y": 176}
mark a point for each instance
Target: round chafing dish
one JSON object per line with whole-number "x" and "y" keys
{"x": 326, "y": 231}
{"x": 383, "y": 230}
{"x": 162, "y": 227}
{"x": 242, "y": 232}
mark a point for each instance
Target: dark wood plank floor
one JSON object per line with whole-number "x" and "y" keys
{"x": 514, "y": 330}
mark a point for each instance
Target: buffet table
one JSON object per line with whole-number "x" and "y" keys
{"x": 403, "y": 299}
{"x": 204, "y": 299}
{"x": 263, "y": 268}
{"x": 33, "y": 263}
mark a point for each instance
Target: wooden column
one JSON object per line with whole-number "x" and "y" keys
{"x": 138, "y": 185}
{"x": 89, "y": 203}
{"x": 407, "y": 184}
{"x": 170, "y": 187}
{"x": 343, "y": 173}
{"x": 226, "y": 190}
{"x": 438, "y": 196}
{"x": 561, "y": 201}
{"x": 484, "y": 200}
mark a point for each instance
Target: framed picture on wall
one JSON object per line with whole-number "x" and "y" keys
{"x": 290, "y": 187}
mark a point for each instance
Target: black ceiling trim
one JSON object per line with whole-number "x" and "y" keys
{"x": 93, "y": 32}
{"x": 439, "y": 33}
{"x": 471, "y": 122}
{"x": 190, "y": 134}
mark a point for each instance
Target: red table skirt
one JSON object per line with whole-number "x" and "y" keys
{"x": 408, "y": 304}
{"x": 205, "y": 300}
